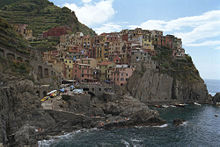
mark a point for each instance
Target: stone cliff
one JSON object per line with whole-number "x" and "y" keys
{"x": 174, "y": 80}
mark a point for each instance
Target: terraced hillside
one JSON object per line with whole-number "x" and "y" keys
{"x": 40, "y": 15}
{"x": 10, "y": 39}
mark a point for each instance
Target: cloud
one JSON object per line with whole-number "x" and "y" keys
{"x": 93, "y": 13}
{"x": 192, "y": 29}
{"x": 108, "y": 27}
{"x": 206, "y": 43}
{"x": 217, "y": 48}
{"x": 86, "y": 1}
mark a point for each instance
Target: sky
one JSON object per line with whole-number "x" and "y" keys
{"x": 197, "y": 22}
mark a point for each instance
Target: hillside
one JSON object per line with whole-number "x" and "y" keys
{"x": 10, "y": 39}
{"x": 40, "y": 15}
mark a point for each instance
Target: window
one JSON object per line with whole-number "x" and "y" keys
{"x": 126, "y": 74}
{"x": 100, "y": 89}
{"x": 122, "y": 79}
{"x": 82, "y": 75}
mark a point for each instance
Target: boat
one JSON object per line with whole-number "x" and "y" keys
{"x": 172, "y": 106}
{"x": 195, "y": 103}
{"x": 165, "y": 106}
{"x": 217, "y": 103}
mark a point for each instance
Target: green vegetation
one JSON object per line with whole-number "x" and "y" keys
{"x": 14, "y": 68}
{"x": 45, "y": 44}
{"x": 10, "y": 39}
{"x": 182, "y": 68}
{"x": 40, "y": 15}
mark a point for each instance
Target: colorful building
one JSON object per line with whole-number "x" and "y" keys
{"x": 103, "y": 67}
{"x": 57, "y": 31}
{"x": 120, "y": 74}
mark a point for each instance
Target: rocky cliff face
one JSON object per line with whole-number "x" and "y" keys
{"x": 24, "y": 122}
{"x": 153, "y": 86}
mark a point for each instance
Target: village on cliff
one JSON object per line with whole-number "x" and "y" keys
{"x": 108, "y": 57}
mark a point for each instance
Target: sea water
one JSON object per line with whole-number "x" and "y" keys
{"x": 201, "y": 128}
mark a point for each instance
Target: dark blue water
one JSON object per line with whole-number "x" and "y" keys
{"x": 202, "y": 128}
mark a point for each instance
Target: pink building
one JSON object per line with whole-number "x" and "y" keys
{"x": 120, "y": 74}
{"x": 83, "y": 72}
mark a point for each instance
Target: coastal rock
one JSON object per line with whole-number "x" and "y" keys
{"x": 145, "y": 117}
{"x": 216, "y": 98}
{"x": 25, "y": 135}
{"x": 152, "y": 86}
{"x": 178, "y": 122}
{"x": 24, "y": 122}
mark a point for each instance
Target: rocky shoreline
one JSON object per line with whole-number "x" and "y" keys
{"x": 24, "y": 122}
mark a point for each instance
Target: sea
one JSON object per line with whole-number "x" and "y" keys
{"x": 200, "y": 129}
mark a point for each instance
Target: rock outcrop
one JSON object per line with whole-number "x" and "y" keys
{"x": 24, "y": 122}
{"x": 153, "y": 86}
{"x": 178, "y": 122}
{"x": 216, "y": 98}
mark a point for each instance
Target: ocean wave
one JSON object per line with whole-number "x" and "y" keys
{"x": 136, "y": 140}
{"x": 127, "y": 144}
{"x": 47, "y": 143}
{"x": 162, "y": 126}
{"x": 184, "y": 123}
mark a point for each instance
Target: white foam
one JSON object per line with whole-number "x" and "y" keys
{"x": 136, "y": 140}
{"x": 184, "y": 123}
{"x": 127, "y": 144}
{"x": 47, "y": 143}
{"x": 162, "y": 126}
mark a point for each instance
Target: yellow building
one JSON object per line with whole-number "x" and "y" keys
{"x": 68, "y": 62}
{"x": 147, "y": 42}
{"x": 104, "y": 67}
{"x": 90, "y": 61}
{"x": 68, "y": 68}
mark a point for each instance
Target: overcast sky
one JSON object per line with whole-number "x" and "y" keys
{"x": 197, "y": 22}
